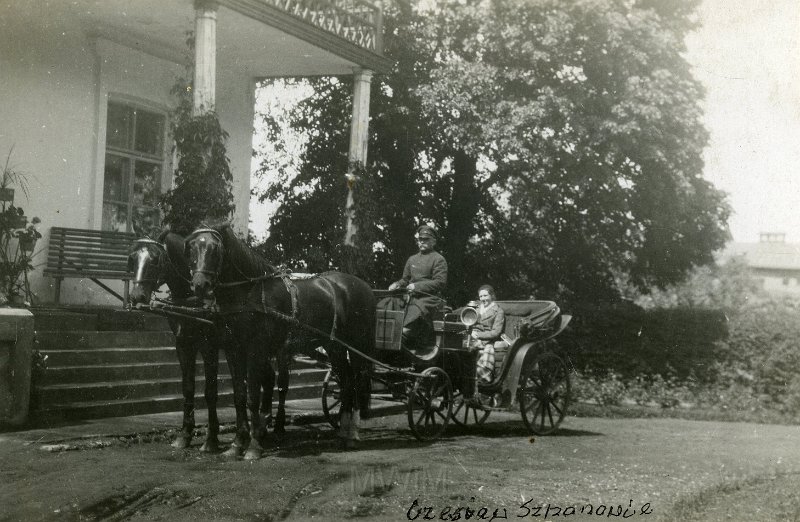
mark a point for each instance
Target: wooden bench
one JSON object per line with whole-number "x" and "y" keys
{"x": 92, "y": 254}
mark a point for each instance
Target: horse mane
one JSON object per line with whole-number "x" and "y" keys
{"x": 242, "y": 257}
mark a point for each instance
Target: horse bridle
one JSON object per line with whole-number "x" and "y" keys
{"x": 163, "y": 249}
{"x": 216, "y": 235}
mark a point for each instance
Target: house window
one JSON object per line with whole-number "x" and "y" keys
{"x": 133, "y": 168}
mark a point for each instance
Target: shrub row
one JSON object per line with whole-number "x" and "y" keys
{"x": 668, "y": 357}
{"x": 631, "y": 341}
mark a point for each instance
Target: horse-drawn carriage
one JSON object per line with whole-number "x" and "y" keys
{"x": 439, "y": 383}
{"x": 264, "y": 307}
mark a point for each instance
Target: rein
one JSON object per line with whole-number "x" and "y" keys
{"x": 331, "y": 336}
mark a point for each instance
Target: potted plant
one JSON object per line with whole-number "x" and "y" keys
{"x": 18, "y": 238}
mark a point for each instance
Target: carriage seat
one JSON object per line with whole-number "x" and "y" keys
{"x": 517, "y": 313}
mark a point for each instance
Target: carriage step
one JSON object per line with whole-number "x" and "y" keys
{"x": 73, "y": 339}
{"x": 165, "y": 403}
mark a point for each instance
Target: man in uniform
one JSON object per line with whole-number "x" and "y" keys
{"x": 425, "y": 276}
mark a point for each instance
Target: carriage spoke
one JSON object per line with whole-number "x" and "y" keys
{"x": 433, "y": 395}
{"x": 550, "y": 415}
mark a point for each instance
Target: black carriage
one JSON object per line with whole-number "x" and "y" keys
{"x": 439, "y": 381}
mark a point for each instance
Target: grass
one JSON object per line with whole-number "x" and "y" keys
{"x": 581, "y": 409}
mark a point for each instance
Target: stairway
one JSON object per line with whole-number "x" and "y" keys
{"x": 105, "y": 362}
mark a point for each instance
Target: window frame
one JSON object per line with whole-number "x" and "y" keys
{"x": 132, "y": 156}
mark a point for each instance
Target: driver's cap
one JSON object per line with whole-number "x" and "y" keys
{"x": 426, "y": 231}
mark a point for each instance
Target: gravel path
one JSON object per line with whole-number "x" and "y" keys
{"x": 676, "y": 469}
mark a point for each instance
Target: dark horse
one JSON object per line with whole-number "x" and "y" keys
{"x": 263, "y": 306}
{"x": 153, "y": 264}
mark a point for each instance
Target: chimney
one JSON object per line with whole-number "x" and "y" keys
{"x": 772, "y": 237}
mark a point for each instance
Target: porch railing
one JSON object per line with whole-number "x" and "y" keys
{"x": 354, "y": 20}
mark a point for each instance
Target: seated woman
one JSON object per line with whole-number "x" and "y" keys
{"x": 486, "y": 332}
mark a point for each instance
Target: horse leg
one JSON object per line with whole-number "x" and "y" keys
{"x": 362, "y": 388}
{"x": 211, "y": 367}
{"x": 255, "y": 378}
{"x": 266, "y": 395}
{"x": 187, "y": 354}
{"x": 283, "y": 389}
{"x": 234, "y": 354}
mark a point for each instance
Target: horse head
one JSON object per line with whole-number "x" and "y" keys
{"x": 204, "y": 253}
{"x": 147, "y": 262}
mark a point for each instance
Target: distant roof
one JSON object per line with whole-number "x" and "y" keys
{"x": 774, "y": 255}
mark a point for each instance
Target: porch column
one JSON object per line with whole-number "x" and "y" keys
{"x": 205, "y": 55}
{"x": 359, "y": 139}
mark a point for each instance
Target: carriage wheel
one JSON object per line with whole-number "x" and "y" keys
{"x": 465, "y": 413}
{"x": 430, "y": 404}
{"x": 331, "y": 398}
{"x": 544, "y": 394}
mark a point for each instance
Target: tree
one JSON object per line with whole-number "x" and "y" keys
{"x": 555, "y": 145}
{"x": 203, "y": 176}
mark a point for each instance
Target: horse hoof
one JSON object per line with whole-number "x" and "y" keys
{"x": 181, "y": 442}
{"x": 234, "y": 451}
{"x": 210, "y": 446}
{"x": 252, "y": 454}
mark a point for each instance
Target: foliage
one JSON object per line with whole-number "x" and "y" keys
{"x": 680, "y": 343}
{"x": 557, "y": 146}
{"x": 18, "y": 237}
{"x": 38, "y": 373}
{"x": 203, "y": 178}
{"x": 728, "y": 287}
{"x": 753, "y": 369}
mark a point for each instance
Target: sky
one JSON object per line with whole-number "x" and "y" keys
{"x": 747, "y": 55}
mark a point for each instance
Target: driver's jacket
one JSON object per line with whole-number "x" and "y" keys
{"x": 428, "y": 272}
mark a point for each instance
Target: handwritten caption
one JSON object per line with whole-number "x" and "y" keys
{"x": 528, "y": 509}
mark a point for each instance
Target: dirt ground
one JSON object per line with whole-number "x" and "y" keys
{"x": 662, "y": 469}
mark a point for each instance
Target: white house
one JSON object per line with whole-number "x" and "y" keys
{"x": 85, "y": 96}
{"x": 772, "y": 260}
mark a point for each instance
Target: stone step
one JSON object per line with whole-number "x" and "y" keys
{"x": 74, "y": 339}
{"x": 112, "y": 372}
{"x": 158, "y": 354}
{"x": 62, "y": 320}
{"x": 95, "y": 373}
{"x": 96, "y": 318}
{"x": 98, "y": 356}
{"x": 139, "y": 406}
{"x": 147, "y": 387}
{"x": 117, "y": 390}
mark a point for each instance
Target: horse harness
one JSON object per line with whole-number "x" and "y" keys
{"x": 288, "y": 281}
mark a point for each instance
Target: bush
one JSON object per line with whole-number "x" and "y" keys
{"x": 631, "y": 341}
{"x": 679, "y": 359}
